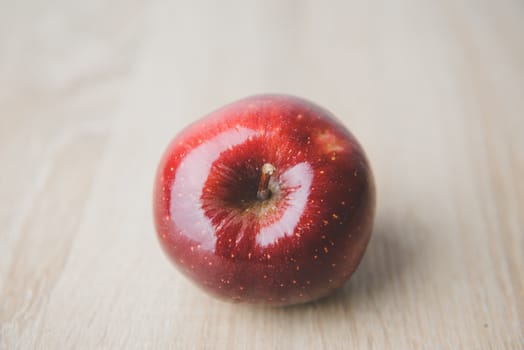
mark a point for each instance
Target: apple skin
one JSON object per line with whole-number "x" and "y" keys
{"x": 301, "y": 243}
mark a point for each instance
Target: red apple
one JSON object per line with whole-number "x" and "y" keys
{"x": 269, "y": 199}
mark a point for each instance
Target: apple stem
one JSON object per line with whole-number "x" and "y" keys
{"x": 267, "y": 171}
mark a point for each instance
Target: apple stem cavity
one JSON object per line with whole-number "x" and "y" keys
{"x": 267, "y": 171}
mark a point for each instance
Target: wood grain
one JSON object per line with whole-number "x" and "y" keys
{"x": 91, "y": 92}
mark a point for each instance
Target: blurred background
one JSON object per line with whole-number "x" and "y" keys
{"x": 91, "y": 92}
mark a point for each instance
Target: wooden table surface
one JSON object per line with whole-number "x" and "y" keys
{"x": 92, "y": 91}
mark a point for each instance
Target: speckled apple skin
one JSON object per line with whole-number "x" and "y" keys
{"x": 300, "y": 245}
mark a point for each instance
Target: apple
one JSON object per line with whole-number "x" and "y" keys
{"x": 267, "y": 200}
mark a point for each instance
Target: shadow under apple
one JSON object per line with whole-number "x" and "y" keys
{"x": 397, "y": 247}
